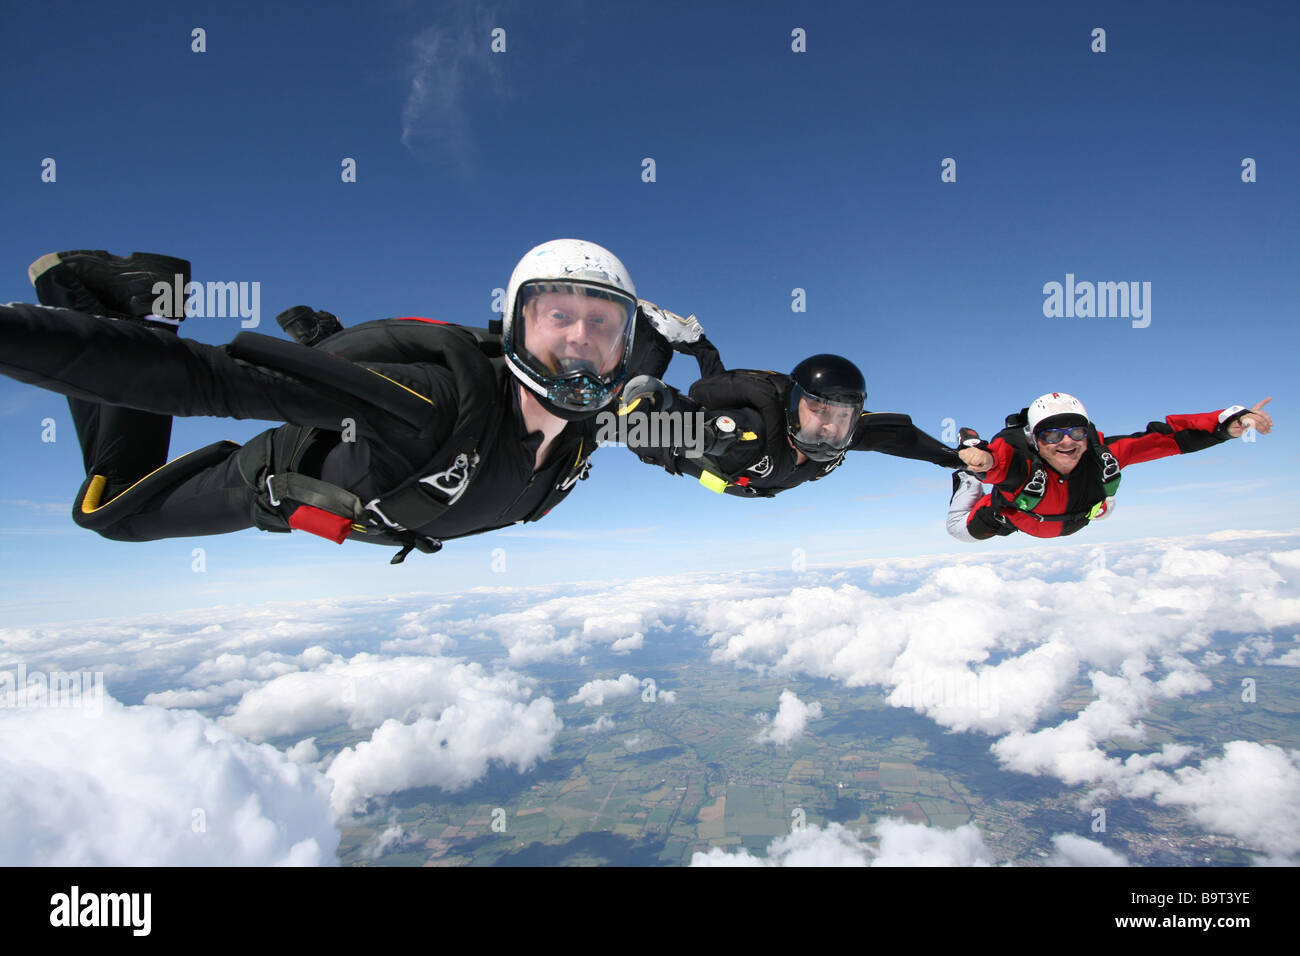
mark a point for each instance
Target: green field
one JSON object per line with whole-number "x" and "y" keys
{"x": 596, "y": 801}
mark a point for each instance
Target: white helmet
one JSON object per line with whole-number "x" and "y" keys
{"x": 567, "y": 329}
{"x": 1055, "y": 409}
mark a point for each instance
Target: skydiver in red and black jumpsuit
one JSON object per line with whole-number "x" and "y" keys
{"x": 1053, "y": 473}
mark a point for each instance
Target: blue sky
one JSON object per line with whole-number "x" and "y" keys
{"x": 775, "y": 170}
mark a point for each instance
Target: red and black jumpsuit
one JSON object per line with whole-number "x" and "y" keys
{"x": 1073, "y": 495}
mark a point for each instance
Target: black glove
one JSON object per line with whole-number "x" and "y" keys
{"x": 653, "y": 395}
{"x": 307, "y": 326}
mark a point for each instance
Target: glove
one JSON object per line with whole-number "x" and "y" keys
{"x": 671, "y": 325}
{"x": 970, "y": 441}
{"x": 307, "y": 326}
{"x": 652, "y": 394}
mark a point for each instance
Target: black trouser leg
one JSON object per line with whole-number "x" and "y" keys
{"x": 197, "y": 494}
{"x": 123, "y": 444}
{"x": 122, "y": 366}
{"x": 120, "y": 446}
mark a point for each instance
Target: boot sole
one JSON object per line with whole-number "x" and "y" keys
{"x": 48, "y": 261}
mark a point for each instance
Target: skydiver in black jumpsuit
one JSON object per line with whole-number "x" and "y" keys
{"x": 458, "y": 432}
{"x": 765, "y": 432}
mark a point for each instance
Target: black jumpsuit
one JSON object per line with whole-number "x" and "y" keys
{"x": 125, "y": 380}
{"x": 758, "y": 461}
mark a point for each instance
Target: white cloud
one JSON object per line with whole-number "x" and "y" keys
{"x": 915, "y": 844}
{"x": 1251, "y": 792}
{"x": 1072, "y": 850}
{"x": 393, "y": 837}
{"x": 993, "y": 643}
{"x": 625, "y": 644}
{"x": 364, "y": 691}
{"x": 1253, "y": 650}
{"x": 900, "y": 844}
{"x": 420, "y": 632}
{"x": 1071, "y": 751}
{"x": 602, "y": 723}
{"x": 812, "y": 846}
{"x": 143, "y": 786}
{"x": 791, "y": 718}
{"x": 450, "y": 751}
{"x": 619, "y": 617}
{"x": 1290, "y": 659}
{"x": 207, "y": 697}
{"x": 304, "y": 751}
{"x": 594, "y": 693}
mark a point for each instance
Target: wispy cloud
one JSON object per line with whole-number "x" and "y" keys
{"x": 38, "y": 507}
{"x": 16, "y": 403}
{"x": 448, "y": 60}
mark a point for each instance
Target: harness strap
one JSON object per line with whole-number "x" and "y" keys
{"x": 1028, "y": 497}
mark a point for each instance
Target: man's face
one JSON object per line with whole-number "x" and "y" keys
{"x": 825, "y": 421}
{"x": 1064, "y": 455}
{"x": 568, "y": 330}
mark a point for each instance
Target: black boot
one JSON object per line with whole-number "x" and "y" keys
{"x": 92, "y": 280}
{"x": 121, "y": 444}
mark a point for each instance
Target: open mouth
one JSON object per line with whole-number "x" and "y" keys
{"x": 577, "y": 365}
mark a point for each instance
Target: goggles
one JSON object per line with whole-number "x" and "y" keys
{"x": 1054, "y": 436}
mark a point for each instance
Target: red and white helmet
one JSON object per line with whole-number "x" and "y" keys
{"x": 1054, "y": 410}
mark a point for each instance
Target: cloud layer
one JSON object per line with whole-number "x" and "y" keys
{"x": 983, "y": 644}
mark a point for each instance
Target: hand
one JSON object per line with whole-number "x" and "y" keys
{"x": 975, "y": 460}
{"x": 671, "y": 325}
{"x": 308, "y": 326}
{"x": 647, "y": 390}
{"x": 1257, "y": 417}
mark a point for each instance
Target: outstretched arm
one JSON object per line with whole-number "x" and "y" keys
{"x": 1183, "y": 434}
{"x": 894, "y": 434}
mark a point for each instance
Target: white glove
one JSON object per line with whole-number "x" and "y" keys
{"x": 671, "y": 325}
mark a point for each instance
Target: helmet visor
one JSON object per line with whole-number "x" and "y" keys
{"x": 573, "y": 335}
{"x": 825, "y": 424}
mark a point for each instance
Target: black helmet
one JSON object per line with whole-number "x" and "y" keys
{"x": 826, "y": 399}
